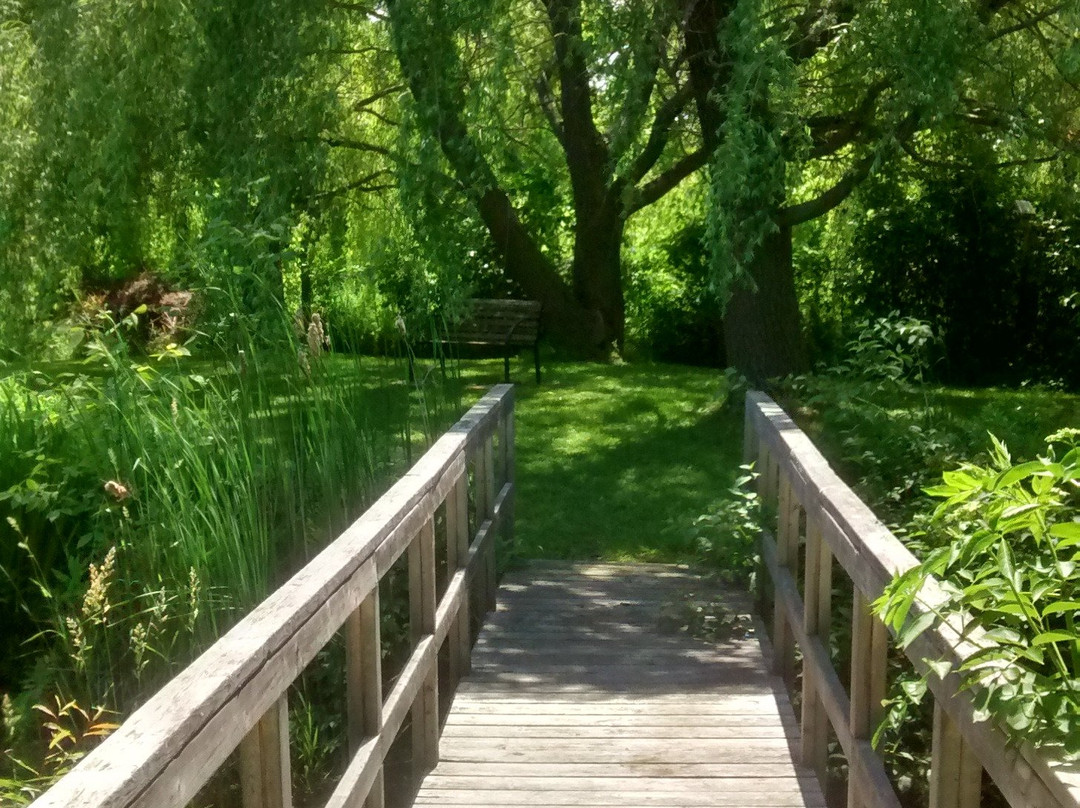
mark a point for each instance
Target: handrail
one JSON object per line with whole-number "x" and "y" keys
{"x": 817, "y": 510}
{"x": 234, "y": 696}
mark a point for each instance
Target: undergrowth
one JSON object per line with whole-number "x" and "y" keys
{"x": 147, "y": 502}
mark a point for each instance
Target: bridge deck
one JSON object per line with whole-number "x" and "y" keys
{"x": 584, "y": 692}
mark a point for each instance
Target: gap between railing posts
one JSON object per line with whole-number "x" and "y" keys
{"x": 822, "y": 527}
{"x": 235, "y": 696}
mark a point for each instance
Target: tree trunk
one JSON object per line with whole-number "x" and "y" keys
{"x": 762, "y": 332}
{"x": 575, "y": 327}
{"x": 597, "y": 270}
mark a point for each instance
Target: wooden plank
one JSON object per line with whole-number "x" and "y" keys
{"x": 543, "y": 750}
{"x": 265, "y": 775}
{"x": 532, "y": 715}
{"x": 661, "y": 720}
{"x": 620, "y": 798}
{"x": 699, "y": 785}
{"x": 525, "y": 729}
{"x": 422, "y": 620}
{"x": 363, "y": 665}
{"x": 817, "y": 615}
{"x": 463, "y": 641}
{"x": 955, "y": 772}
{"x": 488, "y": 482}
{"x": 728, "y": 770}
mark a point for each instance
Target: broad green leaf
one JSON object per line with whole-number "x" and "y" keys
{"x": 1059, "y": 606}
{"x": 1066, "y": 530}
{"x": 1053, "y": 636}
{"x": 1016, "y": 473}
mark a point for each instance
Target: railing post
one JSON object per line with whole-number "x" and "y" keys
{"x": 955, "y": 772}
{"x": 265, "y": 775}
{"x": 506, "y": 443}
{"x": 422, "y": 608}
{"x": 463, "y": 641}
{"x": 787, "y": 557}
{"x": 750, "y": 436}
{"x": 363, "y": 692}
{"x": 487, "y": 481}
{"x": 454, "y": 561}
{"x": 869, "y": 655}
{"x": 817, "y": 617}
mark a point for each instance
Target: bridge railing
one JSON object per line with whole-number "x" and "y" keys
{"x": 820, "y": 519}
{"x": 234, "y": 696}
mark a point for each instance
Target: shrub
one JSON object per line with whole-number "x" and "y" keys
{"x": 1007, "y": 539}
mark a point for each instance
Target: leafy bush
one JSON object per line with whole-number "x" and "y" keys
{"x": 727, "y": 536}
{"x": 996, "y": 278}
{"x": 1007, "y": 538}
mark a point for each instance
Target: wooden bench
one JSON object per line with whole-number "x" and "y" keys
{"x": 508, "y": 324}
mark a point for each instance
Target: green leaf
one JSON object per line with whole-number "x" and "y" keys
{"x": 916, "y": 627}
{"x": 1059, "y": 606}
{"x": 1066, "y": 530}
{"x": 940, "y": 667}
{"x": 1015, "y": 474}
{"x": 1053, "y": 636}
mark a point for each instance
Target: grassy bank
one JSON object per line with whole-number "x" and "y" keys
{"x": 615, "y": 462}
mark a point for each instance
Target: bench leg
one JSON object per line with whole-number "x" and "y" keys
{"x": 536, "y": 358}
{"x": 506, "y": 366}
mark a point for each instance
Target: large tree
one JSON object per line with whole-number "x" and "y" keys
{"x": 791, "y": 105}
{"x": 800, "y": 102}
{"x": 601, "y": 87}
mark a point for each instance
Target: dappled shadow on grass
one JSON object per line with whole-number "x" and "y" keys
{"x": 616, "y": 462}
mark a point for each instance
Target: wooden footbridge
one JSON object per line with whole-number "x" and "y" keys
{"x": 578, "y": 689}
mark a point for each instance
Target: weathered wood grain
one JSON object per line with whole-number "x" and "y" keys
{"x": 586, "y": 691}
{"x": 870, "y": 555}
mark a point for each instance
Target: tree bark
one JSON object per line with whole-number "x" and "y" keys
{"x": 597, "y": 269}
{"x": 762, "y": 330}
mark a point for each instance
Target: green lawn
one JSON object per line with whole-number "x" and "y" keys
{"x": 615, "y": 462}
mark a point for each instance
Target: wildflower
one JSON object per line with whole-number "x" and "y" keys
{"x": 316, "y": 336}
{"x": 399, "y": 322}
{"x": 193, "y": 598}
{"x": 242, "y": 363}
{"x": 7, "y": 716}
{"x": 139, "y": 634}
{"x": 79, "y": 646}
{"x": 175, "y": 407}
{"x": 117, "y": 490}
{"x": 96, "y": 600}
{"x": 302, "y": 359}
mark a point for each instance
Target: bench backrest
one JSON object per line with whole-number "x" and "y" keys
{"x": 502, "y": 322}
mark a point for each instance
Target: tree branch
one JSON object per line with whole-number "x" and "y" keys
{"x": 371, "y": 99}
{"x": 830, "y": 198}
{"x": 547, "y": 105}
{"x": 1030, "y": 22}
{"x": 827, "y": 200}
{"x": 816, "y": 28}
{"x": 359, "y": 145}
{"x": 909, "y": 149}
{"x": 584, "y": 147}
{"x": 830, "y": 133}
{"x": 669, "y": 179}
{"x": 658, "y": 135}
{"x": 362, "y": 184}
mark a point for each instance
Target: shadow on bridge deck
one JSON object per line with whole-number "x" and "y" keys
{"x": 584, "y": 692}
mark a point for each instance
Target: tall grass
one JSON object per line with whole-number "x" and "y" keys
{"x": 146, "y": 503}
